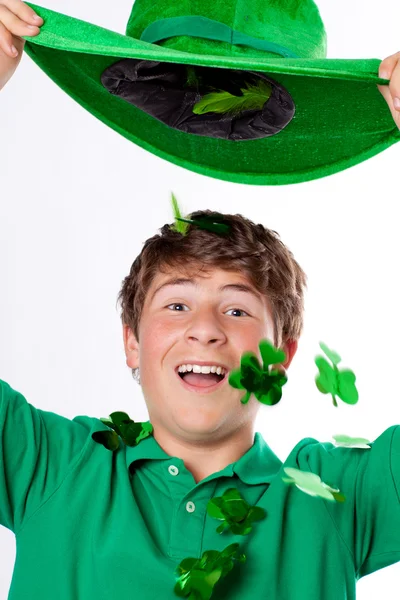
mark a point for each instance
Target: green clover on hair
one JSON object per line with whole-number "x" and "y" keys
{"x": 198, "y": 576}
{"x": 215, "y": 223}
{"x": 335, "y": 381}
{"x": 235, "y": 513}
{"x": 122, "y": 425}
{"x": 264, "y": 383}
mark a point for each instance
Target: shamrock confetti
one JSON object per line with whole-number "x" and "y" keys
{"x": 198, "y": 576}
{"x": 131, "y": 433}
{"x": 348, "y": 442}
{"x": 213, "y": 223}
{"x": 265, "y": 383}
{"x": 235, "y": 513}
{"x": 334, "y": 381}
{"x": 311, "y": 484}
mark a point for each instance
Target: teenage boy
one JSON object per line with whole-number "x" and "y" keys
{"x": 143, "y": 520}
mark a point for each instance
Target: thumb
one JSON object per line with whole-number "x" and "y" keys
{"x": 388, "y": 65}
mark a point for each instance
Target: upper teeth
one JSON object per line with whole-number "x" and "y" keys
{"x": 202, "y": 369}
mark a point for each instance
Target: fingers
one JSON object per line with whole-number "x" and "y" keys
{"x": 22, "y": 11}
{"x": 390, "y": 69}
{"x": 387, "y": 66}
{"x": 16, "y": 19}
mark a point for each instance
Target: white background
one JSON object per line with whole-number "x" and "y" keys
{"x": 77, "y": 201}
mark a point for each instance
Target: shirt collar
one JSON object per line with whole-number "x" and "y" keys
{"x": 258, "y": 465}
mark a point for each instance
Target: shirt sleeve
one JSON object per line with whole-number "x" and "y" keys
{"x": 369, "y": 520}
{"x": 37, "y": 450}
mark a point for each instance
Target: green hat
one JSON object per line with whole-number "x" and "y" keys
{"x": 239, "y": 91}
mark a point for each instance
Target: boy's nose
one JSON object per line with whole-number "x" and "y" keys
{"x": 206, "y": 330}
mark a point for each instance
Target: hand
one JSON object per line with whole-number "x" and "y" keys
{"x": 16, "y": 19}
{"x": 390, "y": 69}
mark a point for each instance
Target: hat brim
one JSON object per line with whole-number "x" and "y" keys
{"x": 341, "y": 118}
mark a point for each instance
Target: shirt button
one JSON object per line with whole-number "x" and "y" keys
{"x": 190, "y": 507}
{"x": 173, "y": 470}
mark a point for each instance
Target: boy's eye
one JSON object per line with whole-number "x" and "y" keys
{"x": 239, "y": 310}
{"x": 177, "y": 304}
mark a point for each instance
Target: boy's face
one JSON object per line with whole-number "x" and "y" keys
{"x": 198, "y": 320}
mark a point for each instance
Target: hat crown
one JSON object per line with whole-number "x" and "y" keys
{"x": 292, "y": 24}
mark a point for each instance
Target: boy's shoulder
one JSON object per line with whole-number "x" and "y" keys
{"x": 351, "y": 468}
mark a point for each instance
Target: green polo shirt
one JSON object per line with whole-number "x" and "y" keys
{"x": 95, "y": 524}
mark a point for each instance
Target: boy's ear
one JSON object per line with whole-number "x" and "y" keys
{"x": 131, "y": 346}
{"x": 290, "y": 349}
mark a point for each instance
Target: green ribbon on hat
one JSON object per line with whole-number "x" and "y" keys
{"x": 209, "y": 29}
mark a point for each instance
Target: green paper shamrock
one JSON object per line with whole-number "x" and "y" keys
{"x": 311, "y": 484}
{"x": 348, "y": 442}
{"x": 215, "y": 224}
{"x": 334, "y": 381}
{"x": 264, "y": 383}
{"x": 131, "y": 433}
{"x": 234, "y": 511}
{"x": 198, "y": 576}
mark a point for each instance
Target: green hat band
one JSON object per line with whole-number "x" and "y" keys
{"x": 240, "y": 106}
{"x": 201, "y": 27}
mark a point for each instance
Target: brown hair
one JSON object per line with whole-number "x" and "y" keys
{"x": 249, "y": 248}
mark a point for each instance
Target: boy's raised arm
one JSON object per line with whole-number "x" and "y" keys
{"x": 16, "y": 19}
{"x": 38, "y": 449}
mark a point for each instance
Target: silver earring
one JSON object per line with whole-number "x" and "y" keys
{"x": 136, "y": 375}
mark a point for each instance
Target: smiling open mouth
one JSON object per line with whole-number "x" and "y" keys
{"x": 201, "y": 381}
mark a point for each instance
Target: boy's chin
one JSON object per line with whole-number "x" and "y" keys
{"x": 205, "y": 419}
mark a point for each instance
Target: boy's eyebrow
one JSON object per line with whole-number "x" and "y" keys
{"x": 239, "y": 287}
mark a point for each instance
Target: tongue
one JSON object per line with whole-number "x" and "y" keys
{"x": 202, "y": 379}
